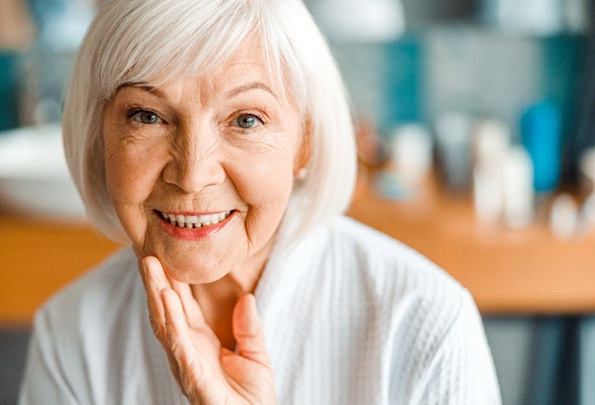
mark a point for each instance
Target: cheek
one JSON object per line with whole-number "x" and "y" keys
{"x": 131, "y": 169}
{"x": 264, "y": 178}
{"x": 130, "y": 180}
{"x": 267, "y": 193}
{"x": 266, "y": 190}
{"x": 123, "y": 182}
{"x": 116, "y": 179}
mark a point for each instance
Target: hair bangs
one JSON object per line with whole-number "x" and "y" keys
{"x": 158, "y": 52}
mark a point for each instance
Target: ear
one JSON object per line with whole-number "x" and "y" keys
{"x": 302, "y": 157}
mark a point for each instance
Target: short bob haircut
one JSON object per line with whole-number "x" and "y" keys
{"x": 154, "y": 41}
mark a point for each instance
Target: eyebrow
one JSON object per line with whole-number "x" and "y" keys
{"x": 250, "y": 86}
{"x": 233, "y": 92}
{"x": 143, "y": 86}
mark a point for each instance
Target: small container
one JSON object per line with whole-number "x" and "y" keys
{"x": 411, "y": 153}
{"x": 453, "y": 150}
{"x": 541, "y": 132}
{"x": 564, "y": 216}
{"x": 587, "y": 168}
{"x": 519, "y": 196}
{"x": 491, "y": 141}
{"x": 9, "y": 89}
{"x": 491, "y": 144}
{"x": 410, "y": 160}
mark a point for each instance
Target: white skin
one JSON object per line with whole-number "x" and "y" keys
{"x": 225, "y": 141}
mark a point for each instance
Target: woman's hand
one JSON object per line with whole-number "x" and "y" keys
{"x": 207, "y": 372}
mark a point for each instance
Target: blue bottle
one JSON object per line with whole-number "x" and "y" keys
{"x": 9, "y": 67}
{"x": 541, "y": 133}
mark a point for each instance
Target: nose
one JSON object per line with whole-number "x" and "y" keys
{"x": 195, "y": 162}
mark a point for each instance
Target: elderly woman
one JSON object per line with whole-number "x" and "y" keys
{"x": 214, "y": 137}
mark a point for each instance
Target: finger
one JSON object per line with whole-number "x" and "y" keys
{"x": 190, "y": 305}
{"x": 155, "y": 281}
{"x": 177, "y": 328}
{"x": 156, "y": 273}
{"x": 180, "y": 343}
{"x": 248, "y": 331}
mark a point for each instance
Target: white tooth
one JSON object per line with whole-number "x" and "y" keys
{"x": 192, "y": 221}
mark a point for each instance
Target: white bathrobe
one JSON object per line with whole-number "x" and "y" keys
{"x": 351, "y": 317}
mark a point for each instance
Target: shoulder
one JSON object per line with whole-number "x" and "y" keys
{"x": 385, "y": 260}
{"x": 374, "y": 274}
{"x": 434, "y": 325}
{"x": 399, "y": 283}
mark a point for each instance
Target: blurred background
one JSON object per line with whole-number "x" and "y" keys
{"x": 476, "y": 147}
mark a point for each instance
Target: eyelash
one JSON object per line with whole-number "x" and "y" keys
{"x": 134, "y": 112}
{"x": 260, "y": 121}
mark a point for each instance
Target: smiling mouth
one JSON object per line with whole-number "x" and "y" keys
{"x": 194, "y": 221}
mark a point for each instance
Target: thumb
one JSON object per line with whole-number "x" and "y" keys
{"x": 248, "y": 331}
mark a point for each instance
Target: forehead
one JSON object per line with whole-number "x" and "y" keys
{"x": 247, "y": 62}
{"x": 247, "y": 68}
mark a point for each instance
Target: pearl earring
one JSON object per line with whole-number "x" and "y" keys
{"x": 301, "y": 174}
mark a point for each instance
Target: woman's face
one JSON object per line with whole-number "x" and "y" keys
{"x": 200, "y": 171}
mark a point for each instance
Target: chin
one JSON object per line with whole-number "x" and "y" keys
{"x": 192, "y": 272}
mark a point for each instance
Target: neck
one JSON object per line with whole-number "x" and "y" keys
{"x": 218, "y": 299}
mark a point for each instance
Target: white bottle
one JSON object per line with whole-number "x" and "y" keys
{"x": 411, "y": 154}
{"x": 491, "y": 145}
{"x": 519, "y": 195}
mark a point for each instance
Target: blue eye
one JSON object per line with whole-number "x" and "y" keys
{"x": 247, "y": 121}
{"x": 146, "y": 117}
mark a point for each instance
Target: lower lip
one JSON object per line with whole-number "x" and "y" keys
{"x": 194, "y": 234}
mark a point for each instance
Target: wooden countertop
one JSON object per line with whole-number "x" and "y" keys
{"x": 37, "y": 258}
{"x": 508, "y": 271}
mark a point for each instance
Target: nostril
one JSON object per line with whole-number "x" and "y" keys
{"x": 192, "y": 173}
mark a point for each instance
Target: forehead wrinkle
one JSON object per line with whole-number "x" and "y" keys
{"x": 142, "y": 86}
{"x": 248, "y": 87}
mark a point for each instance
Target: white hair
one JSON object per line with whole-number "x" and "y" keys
{"x": 154, "y": 41}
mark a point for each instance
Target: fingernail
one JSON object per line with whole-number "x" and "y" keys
{"x": 254, "y": 308}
